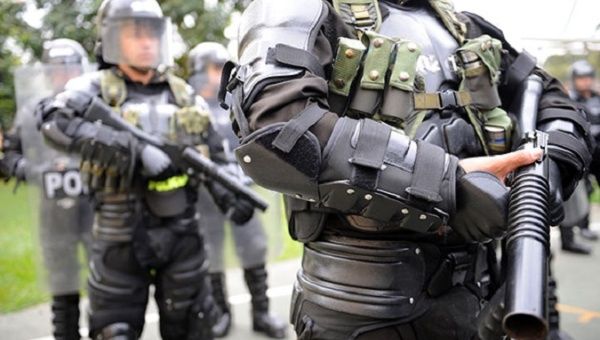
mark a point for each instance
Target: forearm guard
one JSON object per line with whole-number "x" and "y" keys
{"x": 365, "y": 169}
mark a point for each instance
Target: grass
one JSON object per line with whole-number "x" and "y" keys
{"x": 21, "y": 270}
{"x": 21, "y": 282}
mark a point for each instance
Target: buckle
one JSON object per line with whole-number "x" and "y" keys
{"x": 448, "y": 99}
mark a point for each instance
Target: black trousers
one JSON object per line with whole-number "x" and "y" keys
{"x": 122, "y": 272}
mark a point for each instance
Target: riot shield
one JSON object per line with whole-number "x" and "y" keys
{"x": 63, "y": 213}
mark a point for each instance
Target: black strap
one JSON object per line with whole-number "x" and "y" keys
{"x": 570, "y": 115}
{"x": 568, "y": 142}
{"x": 428, "y": 173}
{"x": 238, "y": 113}
{"x": 520, "y": 69}
{"x": 225, "y": 86}
{"x": 372, "y": 144}
{"x": 297, "y": 126}
{"x": 291, "y": 56}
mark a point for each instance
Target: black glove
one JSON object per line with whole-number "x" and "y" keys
{"x": 237, "y": 209}
{"x": 481, "y": 207}
{"x": 107, "y": 158}
{"x": 12, "y": 165}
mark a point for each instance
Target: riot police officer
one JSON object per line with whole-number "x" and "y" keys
{"x": 359, "y": 112}
{"x": 147, "y": 229}
{"x": 206, "y": 62}
{"x": 582, "y": 91}
{"x": 66, "y": 213}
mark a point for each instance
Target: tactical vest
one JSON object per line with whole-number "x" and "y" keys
{"x": 188, "y": 119}
{"x": 375, "y": 76}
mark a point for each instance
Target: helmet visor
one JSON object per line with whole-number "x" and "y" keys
{"x": 137, "y": 42}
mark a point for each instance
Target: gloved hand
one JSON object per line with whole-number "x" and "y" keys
{"x": 156, "y": 163}
{"x": 107, "y": 158}
{"x": 482, "y": 198}
{"x": 12, "y": 165}
{"x": 481, "y": 207}
{"x": 237, "y": 209}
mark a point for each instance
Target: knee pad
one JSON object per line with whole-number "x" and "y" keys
{"x": 116, "y": 331}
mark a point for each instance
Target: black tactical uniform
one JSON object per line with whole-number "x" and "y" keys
{"x": 65, "y": 211}
{"x": 146, "y": 229}
{"x": 577, "y": 208}
{"x": 358, "y": 111}
{"x": 250, "y": 239}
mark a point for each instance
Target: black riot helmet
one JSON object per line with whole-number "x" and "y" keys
{"x": 200, "y": 60}
{"x": 582, "y": 68}
{"x": 133, "y": 32}
{"x": 64, "y": 51}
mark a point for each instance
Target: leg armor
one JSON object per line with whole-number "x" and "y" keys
{"x": 256, "y": 279}
{"x": 117, "y": 331}
{"x": 118, "y": 290}
{"x": 221, "y": 327}
{"x": 65, "y": 317}
{"x": 183, "y": 293}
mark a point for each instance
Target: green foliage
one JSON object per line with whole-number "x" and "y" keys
{"x": 75, "y": 19}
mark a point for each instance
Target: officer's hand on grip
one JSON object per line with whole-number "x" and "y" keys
{"x": 237, "y": 209}
{"x": 107, "y": 159}
{"x": 156, "y": 164}
{"x": 482, "y": 198}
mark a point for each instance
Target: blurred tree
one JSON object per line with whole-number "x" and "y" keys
{"x": 15, "y": 37}
{"x": 560, "y": 65}
{"x": 196, "y": 21}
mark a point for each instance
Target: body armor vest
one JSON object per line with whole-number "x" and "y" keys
{"x": 166, "y": 111}
{"x": 416, "y": 71}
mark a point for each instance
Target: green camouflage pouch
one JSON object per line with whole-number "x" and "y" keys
{"x": 191, "y": 120}
{"x": 346, "y": 66}
{"x": 368, "y": 94}
{"x": 398, "y": 100}
{"x": 479, "y": 61}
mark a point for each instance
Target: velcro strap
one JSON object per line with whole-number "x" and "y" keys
{"x": 570, "y": 115}
{"x": 297, "y": 126}
{"x": 372, "y": 144}
{"x": 428, "y": 173}
{"x": 291, "y": 56}
{"x": 441, "y": 100}
{"x": 568, "y": 142}
{"x": 520, "y": 69}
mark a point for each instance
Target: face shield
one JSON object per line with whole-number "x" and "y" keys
{"x": 139, "y": 42}
{"x": 57, "y": 75}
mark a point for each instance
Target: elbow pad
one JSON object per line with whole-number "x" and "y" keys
{"x": 365, "y": 169}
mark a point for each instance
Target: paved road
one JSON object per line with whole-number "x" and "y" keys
{"x": 579, "y": 280}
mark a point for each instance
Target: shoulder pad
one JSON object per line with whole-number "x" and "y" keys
{"x": 89, "y": 82}
{"x": 490, "y": 29}
{"x": 267, "y": 23}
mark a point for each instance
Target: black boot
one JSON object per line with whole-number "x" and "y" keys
{"x": 65, "y": 317}
{"x": 256, "y": 279}
{"x": 223, "y": 323}
{"x": 585, "y": 231}
{"x": 567, "y": 237}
